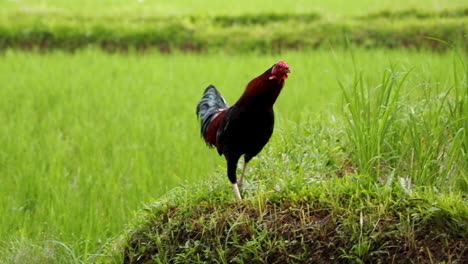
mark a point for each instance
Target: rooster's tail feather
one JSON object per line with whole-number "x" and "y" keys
{"x": 209, "y": 108}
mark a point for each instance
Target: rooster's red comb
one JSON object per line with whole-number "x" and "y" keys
{"x": 282, "y": 64}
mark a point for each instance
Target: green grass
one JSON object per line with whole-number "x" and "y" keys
{"x": 369, "y": 150}
{"x": 88, "y": 138}
{"x": 424, "y": 139}
{"x": 336, "y": 7}
{"x": 331, "y": 220}
{"x": 124, "y": 25}
{"x": 385, "y": 182}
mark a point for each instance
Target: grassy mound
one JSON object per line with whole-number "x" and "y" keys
{"x": 384, "y": 183}
{"x": 337, "y": 221}
{"x": 47, "y": 29}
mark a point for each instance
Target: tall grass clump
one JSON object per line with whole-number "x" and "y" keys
{"x": 371, "y": 112}
{"x": 434, "y": 139}
{"x": 418, "y": 135}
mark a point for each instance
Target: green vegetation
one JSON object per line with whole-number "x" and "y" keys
{"x": 386, "y": 182}
{"x": 31, "y": 26}
{"x": 368, "y": 161}
{"x": 353, "y": 219}
{"x": 87, "y": 142}
{"x": 165, "y": 7}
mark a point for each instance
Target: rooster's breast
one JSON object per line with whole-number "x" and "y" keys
{"x": 246, "y": 132}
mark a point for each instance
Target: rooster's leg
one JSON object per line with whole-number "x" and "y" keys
{"x": 231, "y": 170}
{"x": 247, "y": 158}
{"x": 235, "y": 189}
{"x": 241, "y": 179}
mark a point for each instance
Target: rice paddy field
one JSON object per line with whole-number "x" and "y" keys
{"x": 89, "y": 138}
{"x": 165, "y": 7}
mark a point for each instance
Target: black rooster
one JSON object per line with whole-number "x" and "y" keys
{"x": 245, "y": 127}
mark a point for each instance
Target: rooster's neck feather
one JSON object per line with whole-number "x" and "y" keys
{"x": 261, "y": 92}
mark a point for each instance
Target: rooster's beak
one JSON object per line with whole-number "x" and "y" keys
{"x": 288, "y": 70}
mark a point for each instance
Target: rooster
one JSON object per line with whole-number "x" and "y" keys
{"x": 245, "y": 127}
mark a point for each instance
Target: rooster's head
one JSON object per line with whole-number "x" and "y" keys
{"x": 280, "y": 70}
